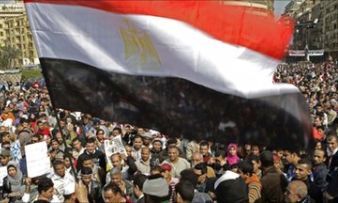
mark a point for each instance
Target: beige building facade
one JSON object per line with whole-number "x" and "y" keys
{"x": 15, "y": 32}
{"x": 8, "y": 11}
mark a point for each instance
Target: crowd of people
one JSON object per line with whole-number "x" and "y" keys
{"x": 153, "y": 167}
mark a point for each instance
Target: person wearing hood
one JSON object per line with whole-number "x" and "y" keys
{"x": 12, "y": 183}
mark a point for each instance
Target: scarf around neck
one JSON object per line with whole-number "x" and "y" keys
{"x": 16, "y": 181}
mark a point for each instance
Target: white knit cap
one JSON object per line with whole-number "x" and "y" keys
{"x": 156, "y": 187}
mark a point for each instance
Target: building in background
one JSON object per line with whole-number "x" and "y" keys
{"x": 261, "y": 5}
{"x": 18, "y": 35}
{"x": 316, "y": 26}
{"x": 330, "y": 27}
{"x": 308, "y": 30}
{"x": 292, "y": 7}
{"x": 8, "y": 10}
{"x": 15, "y": 32}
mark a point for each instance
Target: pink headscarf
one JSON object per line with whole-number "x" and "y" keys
{"x": 232, "y": 159}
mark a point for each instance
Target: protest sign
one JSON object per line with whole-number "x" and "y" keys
{"x": 114, "y": 146}
{"x": 3, "y": 174}
{"x": 38, "y": 162}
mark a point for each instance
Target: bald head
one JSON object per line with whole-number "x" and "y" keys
{"x": 196, "y": 158}
{"x": 296, "y": 191}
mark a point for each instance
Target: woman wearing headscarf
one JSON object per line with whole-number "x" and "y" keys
{"x": 12, "y": 183}
{"x": 232, "y": 157}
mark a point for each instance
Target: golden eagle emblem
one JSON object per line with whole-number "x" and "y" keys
{"x": 138, "y": 47}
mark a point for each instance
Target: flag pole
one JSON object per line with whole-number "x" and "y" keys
{"x": 54, "y": 112}
{"x": 64, "y": 142}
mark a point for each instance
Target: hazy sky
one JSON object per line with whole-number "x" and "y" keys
{"x": 280, "y": 5}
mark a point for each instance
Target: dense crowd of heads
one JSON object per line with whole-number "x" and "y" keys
{"x": 93, "y": 160}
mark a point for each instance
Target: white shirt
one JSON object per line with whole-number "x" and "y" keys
{"x": 178, "y": 166}
{"x": 329, "y": 153}
{"x": 136, "y": 154}
{"x": 26, "y": 197}
{"x": 143, "y": 166}
{"x": 60, "y": 183}
{"x": 76, "y": 154}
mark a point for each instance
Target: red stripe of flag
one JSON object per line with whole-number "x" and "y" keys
{"x": 231, "y": 24}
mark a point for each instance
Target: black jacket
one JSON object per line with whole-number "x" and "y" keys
{"x": 208, "y": 186}
{"x": 334, "y": 162}
{"x": 98, "y": 158}
{"x": 156, "y": 158}
{"x": 95, "y": 195}
{"x": 319, "y": 174}
{"x": 308, "y": 199}
{"x": 231, "y": 189}
{"x": 332, "y": 177}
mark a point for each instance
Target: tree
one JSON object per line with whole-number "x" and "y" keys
{"x": 8, "y": 55}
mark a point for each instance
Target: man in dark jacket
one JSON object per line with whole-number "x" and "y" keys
{"x": 319, "y": 171}
{"x": 93, "y": 153}
{"x": 156, "y": 153}
{"x": 230, "y": 187}
{"x": 93, "y": 187}
{"x": 205, "y": 184}
{"x": 139, "y": 179}
{"x": 303, "y": 173}
{"x": 273, "y": 182}
{"x": 332, "y": 189}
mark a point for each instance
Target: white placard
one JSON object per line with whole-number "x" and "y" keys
{"x": 38, "y": 162}
{"x": 113, "y": 146}
{"x": 3, "y": 174}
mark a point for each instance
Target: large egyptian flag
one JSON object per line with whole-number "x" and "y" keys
{"x": 182, "y": 67}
